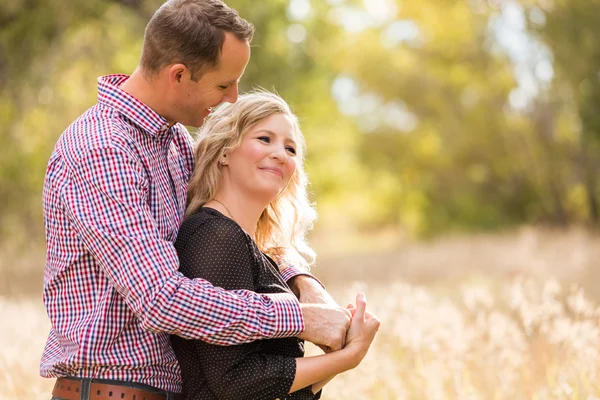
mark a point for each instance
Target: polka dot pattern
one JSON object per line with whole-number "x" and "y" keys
{"x": 214, "y": 247}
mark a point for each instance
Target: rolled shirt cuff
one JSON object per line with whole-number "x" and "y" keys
{"x": 289, "y": 320}
{"x": 288, "y": 272}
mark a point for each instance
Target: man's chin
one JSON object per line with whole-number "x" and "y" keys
{"x": 197, "y": 123}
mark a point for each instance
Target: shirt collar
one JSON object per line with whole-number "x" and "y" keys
{"x": 139, "y": 113}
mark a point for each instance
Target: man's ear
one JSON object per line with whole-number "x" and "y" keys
{"x": 177, "y": 73}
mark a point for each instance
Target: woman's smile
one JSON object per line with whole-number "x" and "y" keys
{"x": 273, "y": 170}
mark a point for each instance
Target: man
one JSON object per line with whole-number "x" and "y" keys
{"x": 114, "y": 196}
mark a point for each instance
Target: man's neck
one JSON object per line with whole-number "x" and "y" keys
{"x": 148, "y": 91}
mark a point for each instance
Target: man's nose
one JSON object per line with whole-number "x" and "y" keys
{"x": 231, "y": 95}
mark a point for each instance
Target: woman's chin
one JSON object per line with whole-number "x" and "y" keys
{"x": 268, "y": 194}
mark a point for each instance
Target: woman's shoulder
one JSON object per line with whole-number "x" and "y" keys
{"x": 209, "y": 224}
{"x": 214, "y": 247}
{"x": 210, "y": 221}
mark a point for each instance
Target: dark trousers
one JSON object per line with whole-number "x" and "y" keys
{"x": 86, "y": 382}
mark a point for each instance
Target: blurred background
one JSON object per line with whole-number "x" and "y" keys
{"x": 453, "y": 153}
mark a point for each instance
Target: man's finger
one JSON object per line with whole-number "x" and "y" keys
{"x": 326, "y": 349}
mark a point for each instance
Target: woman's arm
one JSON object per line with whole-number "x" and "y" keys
{"x": 318, "y": 370}
{"x": 321, "y": 384}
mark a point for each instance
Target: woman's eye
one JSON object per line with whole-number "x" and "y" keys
{"x": 223, "y": 87}
{"x": 265, "y": 139}
{"x": 291, "y": 150}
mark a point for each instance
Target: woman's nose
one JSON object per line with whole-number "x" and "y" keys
{"x": 280, "y": 154}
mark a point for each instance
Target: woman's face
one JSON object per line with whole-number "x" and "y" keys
{"x": 265, "y": 161}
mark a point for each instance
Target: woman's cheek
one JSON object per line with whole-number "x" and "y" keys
{"x": 292, "y": 167}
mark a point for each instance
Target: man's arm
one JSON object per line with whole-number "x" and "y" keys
{"x": 309, "y": 290}
{"x": 325, "y": 321}
{"x": 106, "y": 200}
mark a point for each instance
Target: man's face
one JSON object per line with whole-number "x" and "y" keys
{"x": 194, "y": 100}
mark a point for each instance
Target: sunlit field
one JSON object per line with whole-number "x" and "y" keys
{"x": 518, "y": 320}
{"x": 478, "y": 340}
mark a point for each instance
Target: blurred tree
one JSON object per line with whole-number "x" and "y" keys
{"x": 49, "y": 54}
{"x": 405, "y": 104}
{"x": 429, "y": 98}
{"x": 569, "y": 28}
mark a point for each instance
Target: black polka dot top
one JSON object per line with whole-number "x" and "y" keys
{"x": 214, "y": 247}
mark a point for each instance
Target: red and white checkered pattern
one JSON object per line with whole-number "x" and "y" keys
{"x": 114, "y": 196}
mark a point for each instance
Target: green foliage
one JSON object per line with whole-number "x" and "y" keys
{"x": 406, "y": 111}
{"x": 569, "y": 29}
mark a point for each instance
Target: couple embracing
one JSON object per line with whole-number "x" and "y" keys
{"x": 177, "y": 269}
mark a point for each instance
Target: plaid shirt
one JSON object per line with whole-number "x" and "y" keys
{"x": 114, "y": 196}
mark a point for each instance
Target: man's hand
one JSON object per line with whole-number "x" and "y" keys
{"x": 310, "y": 291}
{"x": 325, "y": 325}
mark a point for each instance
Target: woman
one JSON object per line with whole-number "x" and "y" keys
{"x": 248, "y": 206}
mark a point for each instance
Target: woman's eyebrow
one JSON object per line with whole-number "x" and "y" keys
{"x": 270, "y": 132}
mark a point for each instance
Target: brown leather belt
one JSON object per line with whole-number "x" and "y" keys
{"x": 70, "y": 389}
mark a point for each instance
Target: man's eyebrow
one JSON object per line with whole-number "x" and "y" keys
{"x": 231, "y": 82}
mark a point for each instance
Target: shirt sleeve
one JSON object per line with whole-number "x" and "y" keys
{"x": 288, "y": 272}
{"x": 106, "y": 200}
{"x": 220, "y": 252}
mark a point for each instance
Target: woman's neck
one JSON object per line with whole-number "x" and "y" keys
{"x": 243, "y": 209}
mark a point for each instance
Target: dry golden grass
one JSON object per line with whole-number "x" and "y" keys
{"x": 25, "y": 327}
{"x": 485, "y": 317}
{"x": 478, "y": 340}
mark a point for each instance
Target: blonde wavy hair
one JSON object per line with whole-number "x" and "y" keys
{"x": 282, "y": 227}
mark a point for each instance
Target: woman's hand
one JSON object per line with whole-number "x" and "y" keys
{"x": 318, "y": 370}
{"x": 362, "y": 330}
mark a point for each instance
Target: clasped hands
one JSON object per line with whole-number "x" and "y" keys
{"x": 333, "y": 328}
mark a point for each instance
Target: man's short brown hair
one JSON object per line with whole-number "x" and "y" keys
{"x": 190, "y": 32}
